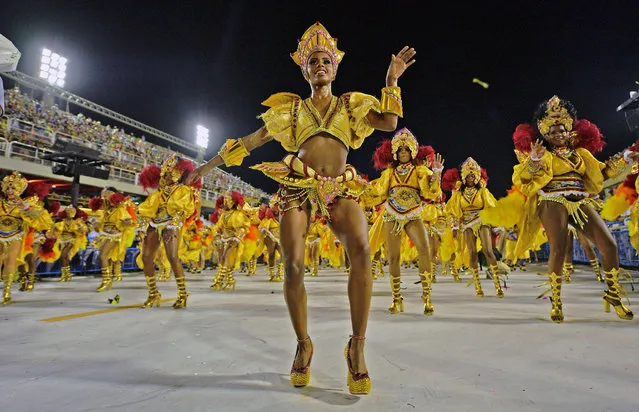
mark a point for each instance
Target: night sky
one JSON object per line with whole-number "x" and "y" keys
{"x": 173, "y": 65}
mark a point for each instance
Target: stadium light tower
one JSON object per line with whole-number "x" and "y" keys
{"x": 53, "y": 68}
{"x": 202, "y": 136}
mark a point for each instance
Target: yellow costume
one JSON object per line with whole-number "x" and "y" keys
{"x": 169, "y": 208}
{"x": 16, "y": 217}
{"x": 464, "y": 206}
{"x": 252, "y": 240}
{"x": 572, "y": 178}
{"x": 313, "y": 239}
{"x": 232, "y": 225}
{"x": 70, "y": 231}
{"x": 116, "y": 230}
{"x": 270, "y": 227}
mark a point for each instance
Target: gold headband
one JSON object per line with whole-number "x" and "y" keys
{"x": 556, "y": 115}
{"x": 14, "y": 181}
{"x": 470, "y": 167}
{"x": 316, "y": 38}
{"x": 168, "y": 168}
{"x": 404, "y": 137}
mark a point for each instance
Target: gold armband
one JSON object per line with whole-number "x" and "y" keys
{"x": 392, "y": 100}
{"x": 233, "y": 152}
{"x": 615, "y": 166}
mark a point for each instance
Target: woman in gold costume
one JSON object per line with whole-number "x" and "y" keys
{"x": 16, "y": 216}
{"x": 562, "y": 179}
{"x": 115, "y": 227}
{"x": 168, "y": 210}
{"x": 71, "y": 234}
{"x": 402, "y": 186}
{"x": 315, "y": 231}
{"x": 321, "y": 130}
{"x": 232, "y": 225}
{"x": 469, "y": 197}
{"x": 36, "y": 235}
{"x": 270, "y": 229}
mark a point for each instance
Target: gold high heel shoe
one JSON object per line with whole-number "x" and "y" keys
{"x": 218, "y": 280}
{"x": 556, "y": 311}
{"x": 475, "y": 279}
{"x": 301, "y": 376}
{"x": 6, "y": 296}
{"x": 31, "y": 282}
{"x": 107, "y": 280}
{"x": 152, "y": 300}
{"x": 358, "y": 383}
{"x": 230, "y": 282}
{"x": 180, "y": 302}
{"x": 569, "y": 269}
{"x": 374, "y": 269}
{"x": 612, "y": 296}
{"x": 398, "y": 301}
{"x": 595, "y": 266}
{"x": 23, "y": 282}
{"x": 154, "y": 295}
{"x": 433, "y": 269}
{"x": 499, "y": 292}
{"x": 426, "y": 279}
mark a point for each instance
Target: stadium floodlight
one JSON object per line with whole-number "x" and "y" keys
{"x": 53, "y": 68}
{"x": 202, "y": 136}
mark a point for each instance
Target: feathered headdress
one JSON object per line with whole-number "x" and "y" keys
{"x": 404, "y": 137}
{"x": 316, "y": 38}
{"x": 39, "y": 189}
{"x": 556, "y": 114}
{"x": 15, "y": 181}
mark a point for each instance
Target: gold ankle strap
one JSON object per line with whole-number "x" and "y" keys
{"x": 357, "y": 337}
{"x": 304, "y": 340}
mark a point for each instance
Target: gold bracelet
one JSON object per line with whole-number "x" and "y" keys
{"x": 392, "y": 100}
{"x": 233, "y": 152}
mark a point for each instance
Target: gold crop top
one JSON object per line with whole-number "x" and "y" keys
{"x": 292, "y": 120}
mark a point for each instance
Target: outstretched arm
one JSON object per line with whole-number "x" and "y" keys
{"x": 250, "y": 142}
{"x": 391, "y": 97}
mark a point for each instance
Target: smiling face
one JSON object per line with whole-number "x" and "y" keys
{"x": 470, "y": 180}
{"x": 320, "y": 70}
{"x": 403, "y": 154}
{"x": 558, "y": 136}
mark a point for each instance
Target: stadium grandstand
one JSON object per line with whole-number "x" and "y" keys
{"x": 37, "y": 115}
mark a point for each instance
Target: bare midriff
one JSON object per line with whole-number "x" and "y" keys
{"x": 325, "y": 154}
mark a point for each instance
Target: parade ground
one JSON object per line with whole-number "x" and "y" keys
{"x": 66, "y": 348}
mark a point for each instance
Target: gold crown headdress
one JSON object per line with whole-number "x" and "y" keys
{"x": 404, "y": 137}
{"x": 556, "y": 114}
{"x": 316, "y": 38}
{"x": 15, "y": 181}
{"x": 169, "y": 167}
{"x": 470, "y": 167}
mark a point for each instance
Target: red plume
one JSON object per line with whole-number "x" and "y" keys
{"x": 150, "y": 177}
{"x": 589, "y": 136}
{"x": 270, "y": 214}
{"x": 425, "y": 154}
{"x": 237, "y": 198}
{"x": 219, "y": 202}
{"x": 450, "y": 179}
{"x": 187, "y": 167}
{"x": 442, "y": 198}
{"x": 365, "y": 177}
{"x": 95, "y": 203}
{"x": 634, "y": 147}
{"x": 523, "y": 137}
{"x": 47, "y": 247}
{"x": 484, "y": 175}
{"x": 39, "y": 189}
{"x": 82, "y": 215}
{"x": 62, "y": 214}
{"x": 53, "y": 207}
{"x": 215, "y": 216}
{"x": 383, "y": 156}
{"x": 261, "y": 213}
{"x": 117, "y": 198}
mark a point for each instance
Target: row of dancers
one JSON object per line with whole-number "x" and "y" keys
{"x": 556, "y": 183}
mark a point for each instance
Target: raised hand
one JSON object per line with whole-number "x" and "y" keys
{"x": 537, "y": 149}
{"x": 438, "y": 163}
{"x": 399, "y": 63}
